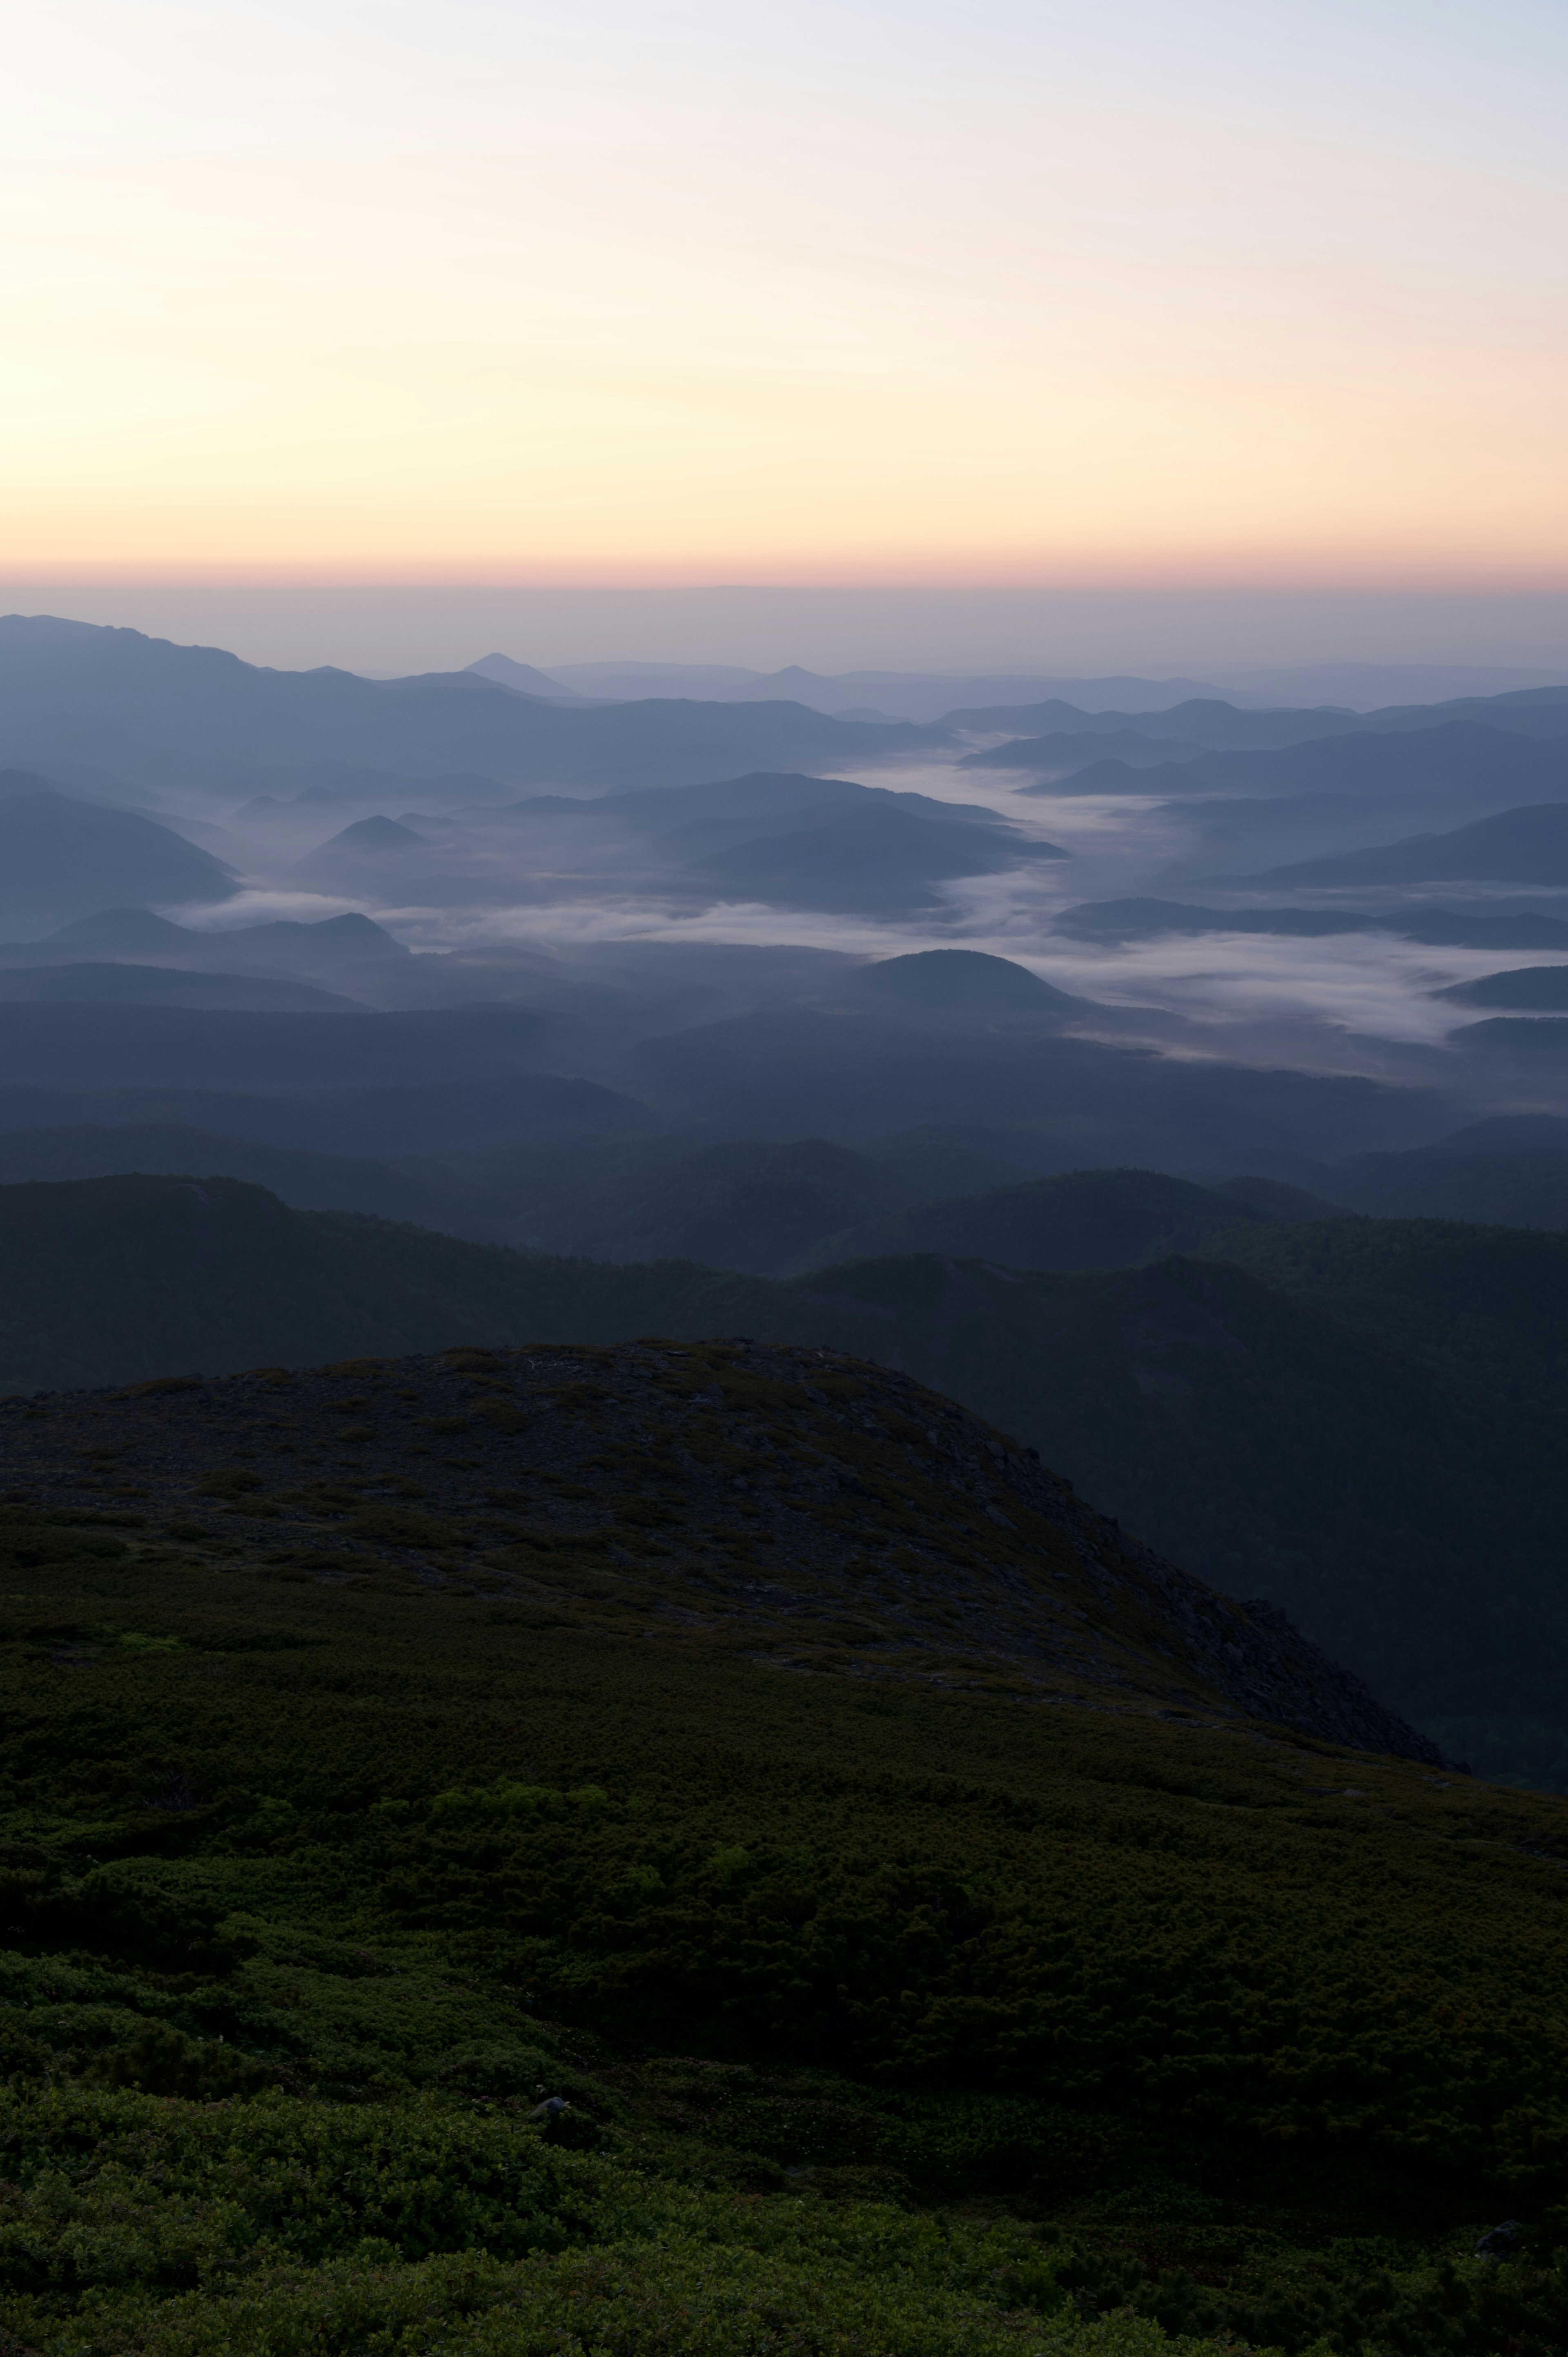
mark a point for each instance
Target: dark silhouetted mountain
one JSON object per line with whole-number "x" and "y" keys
{"x": 1354, "y": 1460}
{"x": 436, "y": 1118}
{"x": 1515, "y": 846}
{"x": 101, "y": 1047}
{"x": 1272, "y": 1199}
{"x": 761, "y": 1205}
{"x": 1086, "y": 1219}
{"x": 1536, "y": 1044}
{"x": 1504, "y": 1133}
{"x": 762, "y": 1208}
{"x": 160, "y": 985}
{"x": 854, "y": 1070}
{"x": 959, "y": 982}
{"x": 62, "y": 859}
{"x": 1484, "y": 1175}
{"x": 1349, "y": 1430}
{"x": 1542, "y": 986}
{"x": 310, "y": 1182}
{"x": 144, "y": 709}
{"x": 1013, "y": 1611}
{"x": 874, "y": 859}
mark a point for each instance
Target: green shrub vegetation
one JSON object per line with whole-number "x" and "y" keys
{"x": 885, "y": 2018}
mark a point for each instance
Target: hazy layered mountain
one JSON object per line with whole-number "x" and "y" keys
{"x": 1088, "y": 1219}
{"x": 911, "y": 695}
{"x": 854, "y": 1069}
{"x": 1509, "y": 1172}
{"x": 62, "y": 859}
{"x": 172, "y": 1047}
{"x": 1256, "y": 846}
{"x": 1460, "y": 761}
{"x": 873, "y": 860}
{"x": 1369, "y": 687}
{"x": 957, "y": 982}
{"x": 428, "y": 1118}
{"x": 1542, "y": 986}
{"x": 523, "y": 678}
{"x": 783, "y": 838}
{"x": 312, "y": 1182}
{"x": 1521, "y": 1057}
{"x": 142, "y": 709}
{"x": 1147, "y": 920}
{"x": 1065, "y": 750}
{"x": 371, "y": 856}
{"x": 758, "y": 1207}
{"x": 1528, "y": 712}
{"x": 137, "y": 936}
{"x": 1516, "y": 846}
{"x": 152, "y": 985}
{"x": 1199, "y": 721}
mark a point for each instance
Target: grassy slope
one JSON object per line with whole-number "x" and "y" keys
{"x": 1349, "y": 1425}
{"x": 891, "y": 2019}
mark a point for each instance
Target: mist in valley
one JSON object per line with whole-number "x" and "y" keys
{"x": 910, "y": 1026}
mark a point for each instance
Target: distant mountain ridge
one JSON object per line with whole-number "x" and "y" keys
{"x": 62, "y": 859}
{"x": 75, "y": 696}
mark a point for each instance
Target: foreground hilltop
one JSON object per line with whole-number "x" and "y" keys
{"x": 795, "y": 1505}
{"x": 708, "y": 1849}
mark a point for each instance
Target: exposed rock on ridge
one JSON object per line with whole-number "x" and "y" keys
{"x": 800, "y": 1507}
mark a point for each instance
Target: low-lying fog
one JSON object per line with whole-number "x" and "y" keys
{"x": 474, "y": 880}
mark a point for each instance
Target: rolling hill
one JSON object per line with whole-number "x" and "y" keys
{"x": 714, "y": 1844}
{"x": 62, "y": 859}
{"x": 129, "y": 1046}
{"x": 1543, "y": 987}
{"x": 102, "y": 983}
{"x": 1528, "y": 845}
{"x": 1346, "y": 1448}
{"x": 1087, "y": 1219}
{"x": 1459, "y": 760}
{"x": 323, "y": 945}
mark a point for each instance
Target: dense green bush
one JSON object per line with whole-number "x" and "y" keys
{"x": 316, "y": 1901}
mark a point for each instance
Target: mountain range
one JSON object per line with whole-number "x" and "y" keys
{"x": 1339, "y": 1416}
{"x": 82, "y": 703}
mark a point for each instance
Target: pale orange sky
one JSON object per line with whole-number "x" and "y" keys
{"x": 671, "y": 293}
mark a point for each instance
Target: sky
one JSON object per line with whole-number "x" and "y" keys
{"x": 1164, "y": 294}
